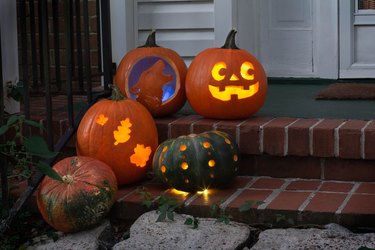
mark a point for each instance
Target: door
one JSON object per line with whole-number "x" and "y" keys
{"x": 357, "y": 38}
{"x": 294, "y": 40}
{"x": 186, "y": 26}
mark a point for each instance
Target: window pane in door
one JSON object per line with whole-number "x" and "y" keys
{"x": 366, "y": 4}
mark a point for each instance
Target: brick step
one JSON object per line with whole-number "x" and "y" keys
{"x": 303, "y": 201}
{"x": 327, "y": 149}
{"x": 280, "y": 147}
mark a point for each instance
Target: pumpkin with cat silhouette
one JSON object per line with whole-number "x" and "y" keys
{"x": 154, "y": 76}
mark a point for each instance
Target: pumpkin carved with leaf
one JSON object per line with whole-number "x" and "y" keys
{"x": 120, "y": 132}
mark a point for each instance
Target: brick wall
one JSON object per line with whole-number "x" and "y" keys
{"x": 93, "y": 41}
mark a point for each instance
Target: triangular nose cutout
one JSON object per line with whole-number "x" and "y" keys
{"x": 233, "y": 78}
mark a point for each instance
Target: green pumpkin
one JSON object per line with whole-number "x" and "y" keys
{"x": 197, "y": 162}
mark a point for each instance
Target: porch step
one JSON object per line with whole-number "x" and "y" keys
{"x": 280, "y": 147}
{"x": 281, "y": 201}
{"x": 284, "y": 147}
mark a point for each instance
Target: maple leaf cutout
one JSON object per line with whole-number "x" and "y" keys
{"x": 102, "y": 119}
{"x": 122, "y": 134}
{"x": 141, "y": 155}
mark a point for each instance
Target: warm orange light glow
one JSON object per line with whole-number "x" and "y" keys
{"x": 163, "y": 169}
{"x": 211, "y": 163}
{"x": 227, "y": 141}
{"x": 232, "y": 90}
{"x": 234, "y": 78}
{"x": 178, "y": 192}
{"x": 215, "y": 72}
{"x": 235, "y": 158}
{"x": 205, "y": 193}
{"x": 245, "y": 71}
{"x": 184, "y": 165}
{"x": 206, "y": 144}
{"x": 122, "y": 134}
{"x": 141, "y": 155}
{"x": 183, "y": 147}
{"x": 165, "y": 148}
{"x": 102, "y": 120}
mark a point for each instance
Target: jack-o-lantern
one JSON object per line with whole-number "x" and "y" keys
{"x": 120, "y": 132}
{"x": 226, "y": 82}
{"x": 197, "y": 162}
{"x": 154, "y": 76}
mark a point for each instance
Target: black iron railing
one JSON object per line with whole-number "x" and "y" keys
{"x": 56, "y": 57}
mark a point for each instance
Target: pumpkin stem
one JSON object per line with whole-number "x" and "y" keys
{"x": 116, "y": 94}
{"x": 151, "y": 41}
{"x": 67, "y": 179}
{"x": 230, "y": 42}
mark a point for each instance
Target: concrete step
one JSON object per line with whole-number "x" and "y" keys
{"x": 277, "y": 201}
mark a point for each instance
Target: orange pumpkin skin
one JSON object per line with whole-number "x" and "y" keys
{"x": 238, "y": 65}
{"x": 160, "y": 88}
{"x": 121, "y": 133}
{"x": 83, "y": 199}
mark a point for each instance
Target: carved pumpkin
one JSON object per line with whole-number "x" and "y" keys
{"x": 120, "y": 132}
{"x": 83, "y": 199}
{"x": 154, "y": 76}
{"x": 197, "y": 162}
{"x": 226, "y": 82}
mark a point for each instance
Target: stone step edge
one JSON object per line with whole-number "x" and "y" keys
{"x": 129, "y": 206}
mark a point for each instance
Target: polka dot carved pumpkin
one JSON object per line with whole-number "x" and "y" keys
{"x": 226, "y": 82}
{"x": 121, "y": 133}
{"x": 197, "y": 162}
{"x": 154, "y": 76}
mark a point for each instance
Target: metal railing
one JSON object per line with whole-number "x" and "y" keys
{"x": 46, "y": 28}
{"x": 54, "y": 49}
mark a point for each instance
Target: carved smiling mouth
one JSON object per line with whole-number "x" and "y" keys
{"x": 233, "y": 92}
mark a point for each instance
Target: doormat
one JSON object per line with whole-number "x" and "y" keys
{"x": 347, "y": 91}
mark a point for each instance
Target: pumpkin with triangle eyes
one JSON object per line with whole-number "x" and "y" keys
{"x": 226, "y": 82}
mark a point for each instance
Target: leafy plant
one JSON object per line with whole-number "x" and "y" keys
{"x": 26, "y": 151}
{"x": 248, "y": 205}
{"x": 15, "y": 90}
{"x": 21, "y": 155}
{"x": 192, "y": 222}
{"x": 283, "y": 217}
{"x": 166, "y": 207}
{"x": 146, "y": 197}
{"x": 220, "y": 214}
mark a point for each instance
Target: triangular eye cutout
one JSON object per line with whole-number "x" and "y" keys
{"x": 234, "y": 78}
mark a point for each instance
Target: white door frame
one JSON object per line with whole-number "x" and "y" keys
{"x": 349, "y": 68}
